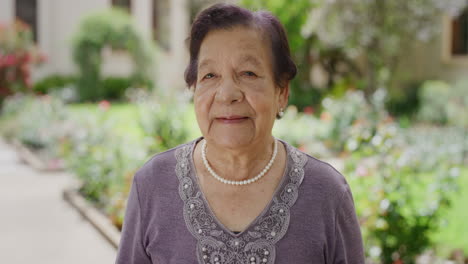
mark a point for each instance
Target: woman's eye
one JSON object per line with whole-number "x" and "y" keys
{"x": 249, "y": 74}
{"x": 209, "y": 76}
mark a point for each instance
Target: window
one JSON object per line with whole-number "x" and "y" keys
{"x": 26, "y": 11}
{"x": 126, "y": 4}
{"x": 460, "y": 35}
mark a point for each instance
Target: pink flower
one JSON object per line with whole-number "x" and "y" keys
{"x": 362, "y": 171}
{"x": 104, "y": 105}
{"x": 302, "y": 148}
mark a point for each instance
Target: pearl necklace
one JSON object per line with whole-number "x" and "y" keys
{"x": 244, "y": 182}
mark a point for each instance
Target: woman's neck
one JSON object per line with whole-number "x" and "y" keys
{"x": 240, "y": 163}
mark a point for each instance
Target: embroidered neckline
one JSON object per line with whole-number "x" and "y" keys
{"x": 256, "y": 244}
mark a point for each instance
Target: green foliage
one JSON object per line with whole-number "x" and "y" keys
{"x": 37, "y": 122}
{"x": 404, "y": 102}
{"x": 378, "y": 32}
{"x": 293, "y": 17}
{"x": 112, "y": 28}
{"x": 434, "y": 96}
{"x": 444, "y": 104}
{"x": 412, "y": 178}
{"x": 164, "y": 124}
{"x": 115, "y": 87}
{"x": 53, "y": 82}
{"x": 354, "y": 122}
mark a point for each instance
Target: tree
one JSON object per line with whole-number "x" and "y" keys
{"x": 377, "y": 31}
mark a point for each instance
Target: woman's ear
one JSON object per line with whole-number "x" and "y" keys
{"x": 284, "y": 95}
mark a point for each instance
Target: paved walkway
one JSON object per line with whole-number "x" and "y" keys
{"x": 37, "y": 225}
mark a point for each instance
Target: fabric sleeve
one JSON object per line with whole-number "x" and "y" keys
{"x": 348, "y": 239}
{"x": 131, "y": 249}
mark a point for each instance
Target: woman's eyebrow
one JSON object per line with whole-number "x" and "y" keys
{"x": 250, "y": 59}
{"x": 204, "y": 63}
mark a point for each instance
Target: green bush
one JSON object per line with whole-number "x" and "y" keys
{"x": 37, "y": 122}
{"x": 115, "y": 87}
{"x": 164, "y": 124}
{"x": 53, "y": 82}
{"x": 412, "y": 179}
{"x": 404, "y": 102}
{"x": 434, "y": 96}
{"x": 112, "y": 28}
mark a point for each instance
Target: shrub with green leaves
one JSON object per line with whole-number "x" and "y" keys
{"x": 434, "y": 96}
{"x": 164, "y": 124}
{"x": 53, "y": 82}
{"x": 402, "y": 187}
{"x": 114, "y": 29}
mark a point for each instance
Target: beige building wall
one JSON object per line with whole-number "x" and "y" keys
{"x": 58, "y": 21}
{"x": 7, "y": 11}
{"x": 433, "y": 61}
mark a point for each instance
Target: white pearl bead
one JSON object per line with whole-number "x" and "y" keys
{"x": 252, "y": 259}
{"x": 237, "y": 183}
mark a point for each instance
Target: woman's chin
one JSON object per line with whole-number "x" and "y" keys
{"x": 232, "y": 140}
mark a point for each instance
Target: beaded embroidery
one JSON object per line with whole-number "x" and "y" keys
{"x": 257, "y": 243}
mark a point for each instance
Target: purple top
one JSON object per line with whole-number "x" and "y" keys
{"x": 311, "y": 218}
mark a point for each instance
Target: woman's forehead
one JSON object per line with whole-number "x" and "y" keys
{"x": 244, "y": 45}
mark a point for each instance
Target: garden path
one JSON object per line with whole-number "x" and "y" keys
{"x": 37, "y": 225}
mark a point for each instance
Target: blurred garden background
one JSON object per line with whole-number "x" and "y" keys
{"x": 95, "y": 87}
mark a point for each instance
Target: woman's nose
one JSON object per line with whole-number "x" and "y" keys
{"x": 229, "y": 92}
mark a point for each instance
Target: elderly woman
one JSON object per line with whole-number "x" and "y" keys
{"x": 237, "y": 194}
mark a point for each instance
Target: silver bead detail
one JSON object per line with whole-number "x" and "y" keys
{"x": 281, "y": 211}
{"x": 252, "y": 259}
{"x": 200, "y": 231}
{"x": 289, "y": 190}
{"x": 266, "y": 253}
{"x": 296, "y": 170}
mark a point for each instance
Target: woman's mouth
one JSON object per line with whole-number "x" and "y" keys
{"x": 231, "y": 119}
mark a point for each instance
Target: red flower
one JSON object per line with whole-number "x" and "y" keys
{"x": 104, "y": 105}
{"x": 308, "y": 110}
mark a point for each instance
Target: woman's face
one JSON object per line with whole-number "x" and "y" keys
{"x": 236, "y": 99}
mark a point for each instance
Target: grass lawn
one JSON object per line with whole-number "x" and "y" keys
{"x": 455, "y": 233}
{"x": 123, "y": 116}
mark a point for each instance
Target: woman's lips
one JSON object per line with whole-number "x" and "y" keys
{"x": 231, "y": 119}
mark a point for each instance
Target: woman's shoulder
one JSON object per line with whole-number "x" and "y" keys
{"x": 320, "y": 173}
{"x": 161, "y": 163}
